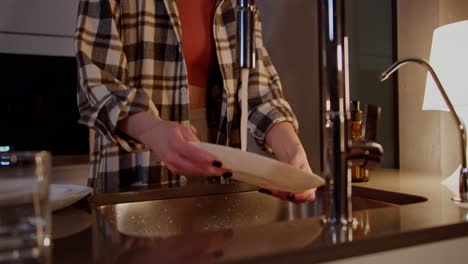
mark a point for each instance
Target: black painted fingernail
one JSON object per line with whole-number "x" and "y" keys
{"x": 217, "y": 164}
{"x": 227, "y": 175}
{"x": 218, "y": 254}
{"x": 291, "y": 197}
{"x": 265, "y": 191}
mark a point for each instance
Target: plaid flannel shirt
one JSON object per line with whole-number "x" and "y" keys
{"x": 130, "y": 60}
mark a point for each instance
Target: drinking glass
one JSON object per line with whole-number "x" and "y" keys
{"x": 24, "y": 207}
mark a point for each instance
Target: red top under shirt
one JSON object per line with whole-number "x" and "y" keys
{"x": 196, "y": 17}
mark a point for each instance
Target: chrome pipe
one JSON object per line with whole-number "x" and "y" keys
{"x": 246, "y": 33}
{"x": 336, "y": 114}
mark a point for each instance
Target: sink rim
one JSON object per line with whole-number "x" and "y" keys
{"x": 198, "y": 190}
{"x": 395, "y": 198}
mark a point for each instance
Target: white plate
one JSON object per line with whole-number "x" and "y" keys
{"x": 16, "y": 191}
{"x": 262, "y": 171}
{"x": 64, "y": 195}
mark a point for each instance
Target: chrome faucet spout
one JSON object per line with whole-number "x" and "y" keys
{"x": 246, "y": 33}
{"x": 463, "y": 187}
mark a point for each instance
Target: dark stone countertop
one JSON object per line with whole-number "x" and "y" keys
{"x": 261, "y": 230}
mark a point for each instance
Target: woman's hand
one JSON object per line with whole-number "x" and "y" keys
{"x": 170, "y": 141}
{"x": 288, "y": 148}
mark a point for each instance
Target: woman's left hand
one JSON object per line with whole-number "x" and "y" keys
{"x": 287, "y": 148}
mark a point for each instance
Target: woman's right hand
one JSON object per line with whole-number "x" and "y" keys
{"x": 170, "y": 141}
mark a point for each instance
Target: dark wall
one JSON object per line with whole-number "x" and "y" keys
{"x": 38, "y": 109}
{"x": 291, "y": 37}
{"x": 371, "y": 50}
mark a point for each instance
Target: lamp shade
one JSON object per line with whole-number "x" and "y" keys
{"x": 449, "y": 58}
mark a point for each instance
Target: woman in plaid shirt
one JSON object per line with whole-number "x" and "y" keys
{"x": 139, "y": 61}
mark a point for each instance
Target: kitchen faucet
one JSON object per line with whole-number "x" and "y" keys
{"x": 339, "y": 152}
{"x": 463, "y": 179}
{"x": 335, "y": 99}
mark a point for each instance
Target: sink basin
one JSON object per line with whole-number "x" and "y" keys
{"x": 171, "y": 217}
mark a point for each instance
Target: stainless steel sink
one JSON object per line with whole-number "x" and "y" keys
{"x": 170, "y": 217}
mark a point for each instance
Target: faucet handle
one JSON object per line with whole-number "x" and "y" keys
{"x": 372, "y": 116}
{"x": 366, "y": 154}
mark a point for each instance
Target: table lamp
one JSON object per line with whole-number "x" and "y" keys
{"x": 449, "y": 58}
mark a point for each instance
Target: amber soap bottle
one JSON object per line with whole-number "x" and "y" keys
{"x": 358, "y": 173}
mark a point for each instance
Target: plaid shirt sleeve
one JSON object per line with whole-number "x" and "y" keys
{"x": 103, "y": 96}
{"x": 266, "y": 102}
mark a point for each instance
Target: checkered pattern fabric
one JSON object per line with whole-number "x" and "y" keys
{"x": 130, "y": 60}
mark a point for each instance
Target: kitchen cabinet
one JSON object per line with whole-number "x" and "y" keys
{"x": 44, "y": 27}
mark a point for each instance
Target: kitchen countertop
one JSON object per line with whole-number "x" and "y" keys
{"x": 303, "y": 240}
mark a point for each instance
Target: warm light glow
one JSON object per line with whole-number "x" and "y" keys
{"x": 346, "y": 64}
{"x": 46, "y": 241}
{"x": 331, "y": 20}
{"x": 339, "y": 58}
{"x": 449, "y": 58}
